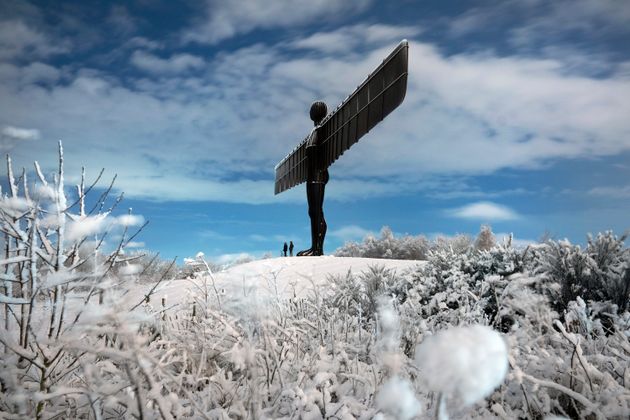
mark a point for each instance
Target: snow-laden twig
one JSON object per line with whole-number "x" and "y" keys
{"x": 577, "y": 351}
{"x": 569, "y": 392}
{"x": 157, "y": 283}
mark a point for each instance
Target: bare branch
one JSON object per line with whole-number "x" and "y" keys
{"x": 103, "y": 197}
{"x": 146, "y": 296}
{"x": 84, "y": 193}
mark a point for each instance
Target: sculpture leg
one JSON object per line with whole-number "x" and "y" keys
{"x": 315, "y": 198}
{"x": 322, "y": 234}
{"x": 322, "y": 227}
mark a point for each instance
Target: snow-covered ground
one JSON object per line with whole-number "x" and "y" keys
{"x": 284, "y": 277}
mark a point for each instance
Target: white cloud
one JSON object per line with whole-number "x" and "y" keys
{"x": 128, "y": 220}
{"x": 135, "y": 244}
{"x": 447, "y": 192}
{"x": 177, "y": 63}
{"x": 39, "y": 72}
{"x": 228, "y": 259}
{"x": 85, "y": 227}
{"x": 18, "y": 40}
{"x": 144, "y": 43}
{"x": 17, "y": 133}
{"x": 470, "y": 21}
{"x": 541, "y": 21}
{"x": 217, "y": 135}
{"x": 477, "y": 114}
{"x": 561, "y": 17}
{"x": 611, "y": 192}
{"x": 350, "y": 233}
{"x": 349, "y": 38}
{"x": 623, "y": 70}
{"x": 224, "y": 19}
{"x": 484, "y": 211}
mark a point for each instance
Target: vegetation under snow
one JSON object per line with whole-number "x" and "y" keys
{"x": 472, "y": 333}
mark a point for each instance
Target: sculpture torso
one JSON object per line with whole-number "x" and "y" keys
{"x": 317, "y": 171}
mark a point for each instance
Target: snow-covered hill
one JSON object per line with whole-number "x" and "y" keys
{"x": 285, "y": 277}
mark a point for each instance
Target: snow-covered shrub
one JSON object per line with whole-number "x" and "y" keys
{"x": 502, "y": 259}
{"x": 458, "y": 244}
{"x": 600, "y": 272}
{"x": 410, "y": 247}
{"x": 359, "y": 293}
{"x": 387, "y": 246}
{"x": 71, "y": 346}
{"x": 611, "y": 276}
{"x": 485, "y": 239}
{"x": 324, "y": 356}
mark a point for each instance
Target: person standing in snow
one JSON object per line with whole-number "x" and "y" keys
{"x": 291, "y": 248}
{"x": 284, "y": 249}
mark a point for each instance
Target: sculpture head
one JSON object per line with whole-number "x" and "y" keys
{"x": 318, "y": 112}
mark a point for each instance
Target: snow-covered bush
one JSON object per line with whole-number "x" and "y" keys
{"x": 70, "y": 342}
{"x": 387, "y": 246}
{"x": 485, "y": 239}
{"x": 359, "y": 293}
{"x": 458, "y": 244}
{"x": 416, "y": 247}
{"x": 600, "y": 272}
{"x": 502, "y": 259}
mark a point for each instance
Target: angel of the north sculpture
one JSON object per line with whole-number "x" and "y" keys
{"x": 379, "y": 94}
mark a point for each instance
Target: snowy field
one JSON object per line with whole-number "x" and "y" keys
{"x": 284, "y": 277}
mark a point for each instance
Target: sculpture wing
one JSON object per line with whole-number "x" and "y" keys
{"x": 291, "y": 171}
{"x": 381, "y": 93}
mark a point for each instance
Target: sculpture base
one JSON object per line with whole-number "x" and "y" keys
{"x": 310, "y": 253}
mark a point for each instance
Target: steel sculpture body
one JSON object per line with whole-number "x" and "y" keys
{"x": 333, "y": 134}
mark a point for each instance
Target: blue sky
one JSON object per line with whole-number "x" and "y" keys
{"x": 517, "y": 114}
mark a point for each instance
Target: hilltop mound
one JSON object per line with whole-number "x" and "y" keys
{"x": 287, "y": 276}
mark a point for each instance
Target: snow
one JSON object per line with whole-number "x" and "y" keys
{"x": 299, "y": 337}
{"x": 398, "y": 399}
{"x": 14, "y": 204}
{"x": 130, "y": 220}
{"x": 465, "y": 362}
{"x": 284, "y": 277}
{"x": 389, "y": 335}
{"x": 311, "y": 337}
{"x": 130, "y": 270}
{"x": 86, "y": 226}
